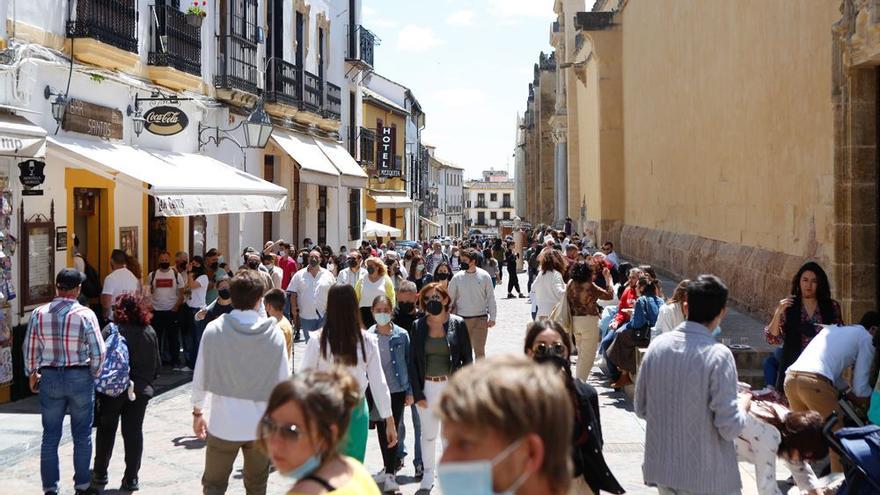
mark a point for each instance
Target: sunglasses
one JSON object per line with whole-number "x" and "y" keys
{"x": 287, "y": 432}
{"x": 543, "y": 349}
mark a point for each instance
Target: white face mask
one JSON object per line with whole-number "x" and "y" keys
{"x": 475, "y": 477}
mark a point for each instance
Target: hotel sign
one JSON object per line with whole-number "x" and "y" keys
{"x": 386, "y": 144}
{"x": 95, "y": 120}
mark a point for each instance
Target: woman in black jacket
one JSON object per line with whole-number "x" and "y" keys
{"x": 547, "y": 342}
{"x": 132, "y": 317}
{"x": 439, "y": 346}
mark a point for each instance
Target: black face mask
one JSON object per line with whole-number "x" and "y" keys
{"x": 371, "y": 270}
{"x": 352, "y": 263}
{"x": 181, "y": 267}
{"x": 406, "y": 307}
{"x": 434, "y": 307}
{"x": 465, "y": 266}
{"x": 313, "y": 262}
{"x": 253, "y": 265}
{"x": 164, "y": 266}
{"x": 439, "y": 277}
{"x": 215, "y": 265}
{"x": 223, "y": 293}
{"x": 555, "y": 361}
{"x": 198, "y": 271}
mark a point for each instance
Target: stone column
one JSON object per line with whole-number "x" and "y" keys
{"x": 561, "y": 170}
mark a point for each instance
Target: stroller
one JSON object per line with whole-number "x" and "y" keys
{"x": 859, "y": 451}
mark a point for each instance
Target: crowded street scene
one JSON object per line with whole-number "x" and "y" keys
{"x": 364, "y": 247}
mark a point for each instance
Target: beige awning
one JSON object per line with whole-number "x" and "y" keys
{"x": 391, "y": 200}
{"x": 20, "y": 138}
{"x": 315, "y": 167}
{"x": 352, "y": 175}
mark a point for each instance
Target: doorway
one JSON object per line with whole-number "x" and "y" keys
{"x": 88, "y": 218}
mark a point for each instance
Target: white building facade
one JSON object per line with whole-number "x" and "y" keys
{"x": 491, "y": 203}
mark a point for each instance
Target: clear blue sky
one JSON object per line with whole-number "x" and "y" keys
{"x": 469, "y": 63}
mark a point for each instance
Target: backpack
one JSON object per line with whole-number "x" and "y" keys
{"x": 91, "y": 287}
{"x": 114, "y": 377}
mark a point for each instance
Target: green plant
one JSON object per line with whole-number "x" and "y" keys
{"x": 198, "y": 8}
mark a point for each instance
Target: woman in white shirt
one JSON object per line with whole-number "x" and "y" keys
{"x": 549, "y": 286}
{"x": 343, "y": 342}
{"x": 376, "y": 283}
{"x": 672, "y": 313}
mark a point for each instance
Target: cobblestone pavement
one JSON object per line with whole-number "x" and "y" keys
{"x": 173, "y": 459}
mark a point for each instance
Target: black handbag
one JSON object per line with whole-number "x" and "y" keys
{"x": 642, "y": 335}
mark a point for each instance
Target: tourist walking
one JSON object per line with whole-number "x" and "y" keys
{"x": 583, "y": 296}
{"x": 166, "y": 296}
{"x": 418, "y": 273}
{"x": 302, "y": 432}
{"x": 510, "y": 259}
{"x": 343, "y": 342}
{"x": 353, "y": 271}
{"x": 549, "y": 286}
{"x": 241, "y": 358}
{"x": 308, "y": 294}
{"x": 196, "y": 298}
{"x": 473, "y": 299}
{"x": 63, "y": 353}
{"x": 131, "y": 318}
{"x": 405, "y": 314}
{"x": 121, "y": 280}
{"x": 442, "y": 275}
{"x": 505, "y": 423}
{"x": 441, "y": 346}
{"x": 376, "y": 283}
{"x": 690, "y": 429}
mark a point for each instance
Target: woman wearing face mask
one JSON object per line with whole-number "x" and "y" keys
{"x": 440, "y": 346}
{"x": 547, "y": 342}
{"x": 454, "y": 261}
{"x": 394, "y": 273}
{"x": 304, "y": 424}
{"x": 343, "y": 342}
{"x": 443, "y": 274}
{"x": 376, "y": 283}
{"x": 221, "y": 306}
{"x": 394, "y": 352}
{"x": 418, "y": 273}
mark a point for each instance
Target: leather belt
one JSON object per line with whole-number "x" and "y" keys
{"x": 436, "y": 378}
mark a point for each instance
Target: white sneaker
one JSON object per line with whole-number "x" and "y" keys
{"x": 427, "y": 481}
{"x": 379, "y": 477}
{"x": 186, "y": 369}
{"x": 391, "y": 484}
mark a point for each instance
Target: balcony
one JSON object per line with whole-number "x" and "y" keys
{"x": 506, "y": 204}
{"x": 313, "y": 92}
{"x": 368, "y": 147}
{"x": 283, "y": 83}
{"x": 175, "y": 53}
{"x": 481, "y": 204}
{"x": 361, "y": 42}
{"x": 332, "y": 101}
{"x": 237, "y": 77}
{"x": 107, "y": 30}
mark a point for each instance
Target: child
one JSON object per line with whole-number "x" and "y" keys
{"x": 274, "y": 302}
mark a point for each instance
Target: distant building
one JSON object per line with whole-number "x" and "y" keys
{"x": 490, "y": 202}
{"x": 447, "y": 183}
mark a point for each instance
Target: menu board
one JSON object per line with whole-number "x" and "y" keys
{"x": 39, "y": 262}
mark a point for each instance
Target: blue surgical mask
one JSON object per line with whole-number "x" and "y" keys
{"x": 382, "y": 318}
{"x": 475, "y": 477}
{"x": 716, "y": 332}
{"x": 310, "y": 466}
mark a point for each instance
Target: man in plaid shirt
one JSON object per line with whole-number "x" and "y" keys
{"x": 63, "y": 353}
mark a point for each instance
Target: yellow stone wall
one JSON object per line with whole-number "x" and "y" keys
{"x": 728, "y": 121}
{"x": 370, "y": 114}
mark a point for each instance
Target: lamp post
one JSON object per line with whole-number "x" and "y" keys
{"x": 257, "y": 130}
{"x": 59, "y": 104}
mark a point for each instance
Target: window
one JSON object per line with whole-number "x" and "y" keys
{"x": 506, "y": 215}
{"x": 481, "y": 218}
{"x": 506, "y": 203}
{"x": 354, "y": 214}
{"x": 493, "y": 197}
{"x": 368, "y": 146}
{"x": 494, "y": 215}
{"x": 481, "y": 200}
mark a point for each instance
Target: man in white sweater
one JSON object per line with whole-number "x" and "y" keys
{"x": 473, "y": 298}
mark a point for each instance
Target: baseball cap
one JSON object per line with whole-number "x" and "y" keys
{"x": 69, "y": 278}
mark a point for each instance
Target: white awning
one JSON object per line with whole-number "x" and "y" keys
{"x": 183, "y": 184}
{"x": 391, "y": 201}
{"x": 433, "y": 224}
{"x": 352, "y": 173}
{"x": 376, "y": 229}
{"x": 314, "y": 166}
{"x": 20, "y": 138}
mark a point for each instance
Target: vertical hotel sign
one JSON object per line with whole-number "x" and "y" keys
{"x": 386, "y": 144}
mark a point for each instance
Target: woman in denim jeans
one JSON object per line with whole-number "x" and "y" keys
{"x": 394, "y": 355}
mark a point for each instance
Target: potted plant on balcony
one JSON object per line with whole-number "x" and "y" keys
{"x": 196, "y": 13}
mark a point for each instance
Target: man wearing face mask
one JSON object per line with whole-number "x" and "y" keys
{"x": 253, "y": 262}
{"x": 504, "y": 420}
{"x": 214, "y": 272}
{"x": 353, "y": 272}
{"x": 405, "y": 314}
{"x": 166, "y": 294}
{"x": 308, "y": 294}
{"x": 473, "y": 298}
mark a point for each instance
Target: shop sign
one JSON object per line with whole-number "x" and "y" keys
{"x": 32, "y": 176}
{"x": 165, "y": 120}
{"x": 61, "y": 238}
{"x": 386, "y": 144}
{"x": 92, "y": 119}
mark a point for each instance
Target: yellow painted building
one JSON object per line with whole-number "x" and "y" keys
{"x": 386, "y": 199}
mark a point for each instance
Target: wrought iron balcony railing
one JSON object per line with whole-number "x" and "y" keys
{"x": 237, "y": 66}
{"x": 109, "y": 21}
{"x": 283, "y": 82}
{"x": 313, "y": 92}
{"x": 332, "y": 101}
{"x": 174, "y": 42}
{"x": 368, "y": 146}
{"x": 361, "y": 42}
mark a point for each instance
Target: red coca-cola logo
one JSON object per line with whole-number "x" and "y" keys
{"x": 165, "y": 120}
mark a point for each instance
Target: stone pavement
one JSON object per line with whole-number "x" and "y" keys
{"x": 173, "y": 459}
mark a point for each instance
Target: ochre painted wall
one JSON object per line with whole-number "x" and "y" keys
{"x": 371, "y": 114}
{"x": 728, "y": 121}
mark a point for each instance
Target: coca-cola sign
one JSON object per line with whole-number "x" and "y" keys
{"x": 165, "y": 120}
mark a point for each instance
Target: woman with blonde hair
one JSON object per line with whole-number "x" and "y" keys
{"x": 376, "y": 283}
{"x": 303, "y": 427}
{"x": 549, "y": 286}
{"x": 672, "y": 314}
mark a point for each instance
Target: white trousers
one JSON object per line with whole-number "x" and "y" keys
{"x": 430, "y": 426}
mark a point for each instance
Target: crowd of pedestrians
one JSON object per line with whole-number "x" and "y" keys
{"x": 386, "y": 330}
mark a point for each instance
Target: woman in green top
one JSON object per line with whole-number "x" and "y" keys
{"x": 440, "y": 345}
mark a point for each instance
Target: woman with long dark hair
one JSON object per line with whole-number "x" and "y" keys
{"x": 583, "y": 296}
{"x": 343, "y": 342}
{"x": 549, "y": 286}
{"x": 417, "y": 271}
{"x": 547, "y": 342}
{"x": 794, "y": 322}
{"x": 131, "y": 318}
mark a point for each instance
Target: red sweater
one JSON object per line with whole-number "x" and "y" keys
{"x": 627, "y": 301}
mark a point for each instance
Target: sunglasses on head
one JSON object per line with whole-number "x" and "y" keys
{"x": 287, "y": 432}
{"x": 543, "y": 349}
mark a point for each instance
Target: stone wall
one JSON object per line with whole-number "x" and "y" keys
{"x": 757, "y": 278}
